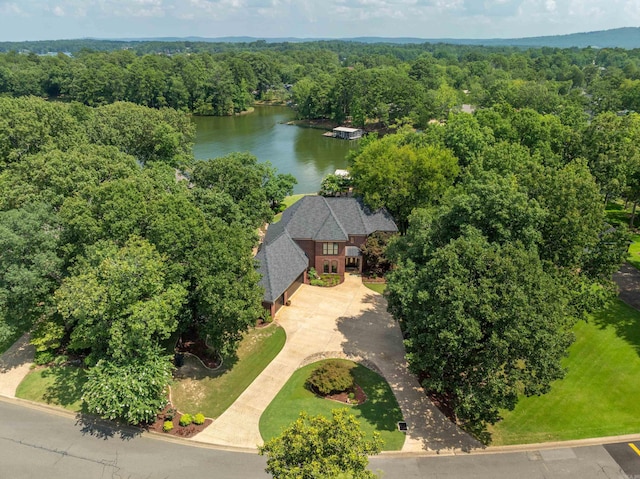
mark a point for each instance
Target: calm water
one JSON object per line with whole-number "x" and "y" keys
{"x": 303, "y": 152}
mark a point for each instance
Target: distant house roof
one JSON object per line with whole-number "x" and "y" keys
{"x": 330, "y": 219}
{"x": 281, "y": 262}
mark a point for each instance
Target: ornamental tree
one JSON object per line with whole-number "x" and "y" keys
{"x": 314, "y": 446}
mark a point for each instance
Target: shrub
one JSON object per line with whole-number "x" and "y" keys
{"x": 199, "y": 419}
{"x": 133, "y": 390}
{"x": 268, "y": 318}
{"x": 317, "y": 282}
{"x": 43, "y": 357}
{"x": 170, "y": 414}
{"x": 313, "y": 274}
{"x": 186, "y": 419}
{"x": 167, "y": 426}
{"x": 331, "y": 377}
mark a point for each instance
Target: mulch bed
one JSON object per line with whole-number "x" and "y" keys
{"x": 373, "y": 279}
{"x": 178, "y": 430}
{"x": 196, "y": 346}
{"x": 343, "y": 397}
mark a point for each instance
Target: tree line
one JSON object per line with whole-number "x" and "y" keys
{"x": 367, "y": 84}
{"x": 115, "y": 241}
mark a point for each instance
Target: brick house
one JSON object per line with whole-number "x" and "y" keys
{"x": 316, "y": 232}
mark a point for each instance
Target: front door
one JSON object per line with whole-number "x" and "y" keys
{"x": 352, "y": 263}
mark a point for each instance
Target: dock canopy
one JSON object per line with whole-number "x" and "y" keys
{"x": 347, "y": 133}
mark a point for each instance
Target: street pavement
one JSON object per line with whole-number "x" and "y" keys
{"x": 51, "y": 444}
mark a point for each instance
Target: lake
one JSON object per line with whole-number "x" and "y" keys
{"x": 303, "y": 152}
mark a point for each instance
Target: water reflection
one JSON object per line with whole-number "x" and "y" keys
{"x": 303, "y": 152}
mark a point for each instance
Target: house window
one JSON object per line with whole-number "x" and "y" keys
{"x": 329, "y": 248}
{"x": 334, "y": 267}
{"x": 325, "y": 266}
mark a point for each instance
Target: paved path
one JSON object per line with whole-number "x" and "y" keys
{"x": 351, "y": 321}
{"x": 628, "y": 280}
{"x": 14, "y": 366}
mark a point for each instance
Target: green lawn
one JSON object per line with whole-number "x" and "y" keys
{"x": 379, "y": 413}
{"x": 288, "y": 201}
{"x": 59, "y": 386}
{"x": 212, "y": 392}
{"x": 599, "y": 395}
{"x": 634, "y": 252}
{"x": 377, "y": 287}
{"x": 616, "y": 214}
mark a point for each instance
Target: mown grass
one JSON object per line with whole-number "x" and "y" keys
{"x": 377, "y": 287}
{"x": 634, "y": 251}
{"x": 212, "y": 392}
{"x": 379, "y": 413}
{"x": 598, "y": 396}
{"x": 55, "y": 385}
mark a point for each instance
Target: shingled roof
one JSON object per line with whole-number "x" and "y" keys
{"x": 312, "y": 218}
{"x": 330, "y": 219}
{"x": 281, "y": 262}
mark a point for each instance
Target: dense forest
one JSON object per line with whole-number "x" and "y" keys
{"x": 108, "y": 255}
{"x": 114, "y": 239}
{"x": 334, "y": 80}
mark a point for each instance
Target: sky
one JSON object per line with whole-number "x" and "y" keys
{"x": 63, "y": 19}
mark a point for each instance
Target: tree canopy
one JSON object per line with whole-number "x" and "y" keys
{"x": 315, "y": 446}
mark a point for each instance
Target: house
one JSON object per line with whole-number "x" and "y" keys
{"x": 347, "y": 133}
{"x": 316, "y": 232}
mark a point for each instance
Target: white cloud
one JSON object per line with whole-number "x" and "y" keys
{"x": 308, "y": 18}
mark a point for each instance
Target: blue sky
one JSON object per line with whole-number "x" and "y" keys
{"x": 55, "y": 19}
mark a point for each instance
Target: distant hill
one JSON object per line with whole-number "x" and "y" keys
{"x": 628, "y": 37}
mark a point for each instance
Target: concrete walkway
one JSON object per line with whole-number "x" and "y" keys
{"x": 15, "y": 363}
{"x": 348, "y": 321}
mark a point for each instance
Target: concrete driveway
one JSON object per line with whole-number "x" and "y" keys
{"x": 348, "y": 321}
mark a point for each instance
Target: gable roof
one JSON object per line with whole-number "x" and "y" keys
{"x": 331, "y": 219}
{"x": 281, "y": 262}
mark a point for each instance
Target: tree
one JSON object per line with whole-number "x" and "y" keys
{"x": 374, "y": 250}
{"x": 496, "y": 205}
{"x": 608, "y": 148}
{"x": 574, "y": 212}
{"x": 484, "y": 323}
{"x": 317, "y": 447}
{"x": 333, "y": 185}
{"x": 117, "y": 301}
{"x": 149, "y": 135}
{"x": 133, "y": 389}
{"x": 30, "y": 269}
{"x": 253, "y": 186}
{"x": 399, "y": 173}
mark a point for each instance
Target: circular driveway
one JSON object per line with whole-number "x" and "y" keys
{"x": 349, "y": 321}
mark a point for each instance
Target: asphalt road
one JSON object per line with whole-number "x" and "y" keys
{"x": 627, "y": 455}
{"x": 40, "y": 444}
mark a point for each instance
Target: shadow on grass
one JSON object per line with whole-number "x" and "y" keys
{"x": 67, "y": 385}
{"x": 616, "y": 214}
{"x": 624, "y": 319}
{"x": 380, "y": 409}
{"x": 375, "y": 335}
